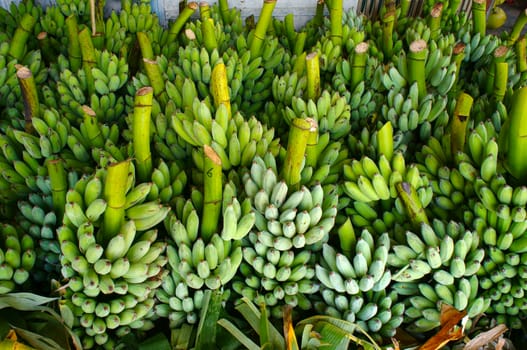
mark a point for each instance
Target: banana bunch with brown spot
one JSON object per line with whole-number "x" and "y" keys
{"x": 290, "y": 224}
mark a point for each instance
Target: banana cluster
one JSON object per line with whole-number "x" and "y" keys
{"x": 137, "y": 17}
{"x": 18, "y": 258}
{"x": 277, "y": 265}
{"x": 354, "y": 285}
{"x": 447, "y": 257}
{"x": 110, "y": 283}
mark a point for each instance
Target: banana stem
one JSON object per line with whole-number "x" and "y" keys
{"x": 300, "y": 64}
{"x": 313, "y": 76}
{"x": 74, "y": 47}
{"x": 115, "y": 197}
{"x": 453, "y": 6}
{"x": 388, "y": 21}
{"x": 183, "y": 17}
{"x": 153, "y": 71}
{"x": 46, "y": 45}
{"x": 434, "y": 20}
{"x": 17, "y": 46}
{"x": 479, "y": 17}
{"x": 318, "y": 19}
{"x": 335, "y": 17}
{"x": 266, "y": 15}
{"x": 404, "y": 6}
{"x": 220, "y": 87}
{"x": 141, "y": 132}
{"x": 358, "y": 64}
{"x": 347, "y": 238}
{"x": 498, "y": 56}
{"x": 93, "y": 131}
{"x": 88, "y": 58}
{"x": 212, "y": 192}
{"x": 500, "y": 80}
{"x": 92, "y": 17}
{"x": 224, "y": 11}
{"x": 416, "y": 65}
{"x": 209, "y": 34}
{"x": 296, "y": 149}
{"x": 521, "y": 53}
{"x": 516, "y": 138}
{"x": 59, "y": 185}
{"x": 517, "y": 28}
{"x": 204, "y": 10}
{"x": 29, "y": 95}
{"x": 458, "y": 54}
{"x": 458, "y": 127}
{"x": 300, "y": 43}
{"x": 97, "y": 24}
{"x": 145, "y": 45}
{"x": 411, "y": 203}
{"x": 385, "y": 140}
{"x": 311, "y": 146}
{"x": 290, "y": 32}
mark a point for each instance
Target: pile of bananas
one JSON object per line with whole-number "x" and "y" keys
{"x": 369, "y": 169}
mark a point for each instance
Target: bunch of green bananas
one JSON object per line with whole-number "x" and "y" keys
{"x": 355, "y": 284}
{"x": 18, "y": 258}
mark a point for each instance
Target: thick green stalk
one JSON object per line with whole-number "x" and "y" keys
{"x": 115, "y": 197}
{"x": 434, "y": 20}
{"x": 299, "y": 43}
{"x": 204, "y": 10}
{"x": 313, "y": 76}
{"x": 183, "y": 17}
{"x": 46, "y": 44}
{"x": 153, "y": 71}
{"x": 141, "y": 132}
{"x": 404, "y": 6}
{"x": 266, "y": 15}
{"x": 517, "y": 136}
{"x": 517, "y": 28}
{"x": 416, "y": 65}
{"x": 388, "y": 21}
{"x": 29, "y": 95}
{"x": 300, "y": 64}
{"x": 224, "y": 11}
{"x": 458, "y": 54}
{"x": 145, "y": 45}
{"x": 521, "y": 54}
{"x": 412, "y": 204}
{"x": 499, "y": 56}
{"x": 209, "y": 34}
{"x": 290, "y": 32}
{"x": 296, "y": 149}
{"x": 479, "y": 17}
{"x": 74, "y": 47}
{"x": 453, "y": 6}
{"x": 335, "y": 17}
{"x": 91, "y": 125}
{"x": 59, "y": 185}
{"x": 17, "y": 46}
{"x": 220, "y": 87}
{"x": 318, "y": 19}
{"x": 97, "y": 24}
{"x": 347, "y": 238}
{"x": 88, "y": 58}
{"x": 358, "y": 64}
{"x": 500, "y": 80}
{"x": 311, "y": 146}
{"x": 212, "y": 192}
{"x": 385, "y": 140}
{"x": 458, "y": 126}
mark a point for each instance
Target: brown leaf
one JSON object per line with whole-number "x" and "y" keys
{"x": 395, "y": 344}
{"x": 485, "y": 338}
{"x": 449, "y": 331}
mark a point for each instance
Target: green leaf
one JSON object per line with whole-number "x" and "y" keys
{"x": 37, "y": 340}
{"x": 24, "y": 301}
{"x": 156, "y": 342}
{"x": 67, "y": 314}
{"x": 208, "y": 323}
{"x": 239, "y": 335}
{"x": 181, "y": 338}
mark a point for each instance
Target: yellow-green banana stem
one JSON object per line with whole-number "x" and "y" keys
{"x": 97, "y": 23}
{"x": 266, "y": 15}
{"x": 313, "y": 76}
{"x": 318, "y": 19}
{"x": 404, "y": 7}
{"x": 434, "y": 20}
{"x": 517, "y": 136}
{"x": 91, "y": 125}
{"x": 209, "y": 34}
{"x": 499, "y": 56}
{"x": 183, "y": 17}
{"x": 17, "y": 46}
{"x": 311, "y": 146}
{"x": 411, "y": 203}
{"x": 88, "y": 58}
{"x": 220, "y": 87}
{"x": 300, "y": 43}
{"x": 358, "y": 64}
{"x": 141, "y": 132}
{"x": 145, "y": 45}
{"x": 453, "y": 6}
{"x": 500, "y": 80}
{"x": 388, "y": 21}
{"x": 479, "y": 17}
{"x": 153, "y": 71}
{"x": 212, "y": 192}
{"x": 115, "y": 197}
{"x": 74, "y": 47}
{"x": 46, "y": 45}
{"x": 59, "y": 186}
{"x": 458, "y": 54}
{"x": 224, "y": 11}
{"x": 204, "y": 10}
{"x": 29, "y": 95}
{"x": 416, "y": 65}
{"x": 521, "y": 53}
{"x": 347, "y": 237}
{"x": 458, "y": 126}
{"x": 517, "y": 28}
{"x": 385, "y": 140}
{"x": 335, "y": 20}
{"x": 300, "y": 64}
{"x": 290, "y": 32}
{"x": 296, "y": 149}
